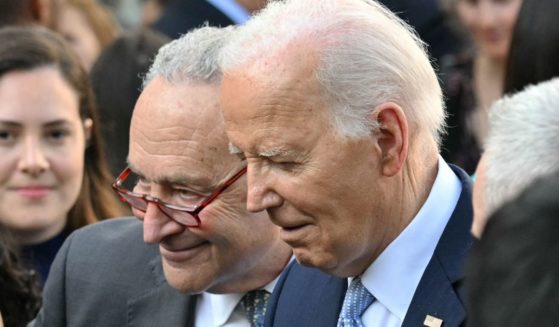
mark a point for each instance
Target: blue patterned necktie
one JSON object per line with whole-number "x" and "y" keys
{"x": 254, "y": 303}
{"x": 357, "y": 300}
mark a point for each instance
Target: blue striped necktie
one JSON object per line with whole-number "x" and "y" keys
{"x": 357, "y": 300}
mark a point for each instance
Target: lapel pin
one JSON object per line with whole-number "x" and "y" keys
{"x": 431, "y": 321}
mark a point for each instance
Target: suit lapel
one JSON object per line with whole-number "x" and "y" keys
{"x": 305, "y": 297}
{"x": 161, "y": 305}
{"x": 438, "y": 292}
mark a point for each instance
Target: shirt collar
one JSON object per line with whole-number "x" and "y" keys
{"x": 230, "y": 8}
{"x": 224, "y": 304}
{"x": 394, "y": 276}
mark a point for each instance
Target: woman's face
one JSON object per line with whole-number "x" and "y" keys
{"x": 42, "y": 144}
{"x": 490, "y": 23}
{"x": 75, "y": 29}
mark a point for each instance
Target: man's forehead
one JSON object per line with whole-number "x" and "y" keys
{"x": 177, "y": 133}
{"x": 172, "y": 174}
{"x": 263, "y": 119}
{"x": 180, "y": 100}
{"x": 178, "y": 112}
{"x": 245, "y": 98}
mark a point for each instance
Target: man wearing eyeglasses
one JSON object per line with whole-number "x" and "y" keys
{"x": 189, "y": 195}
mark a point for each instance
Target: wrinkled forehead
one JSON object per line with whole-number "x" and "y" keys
{"x": 266, "y": 111}
{"x": 279, "y": 87}
{"x": 178, "y": 127}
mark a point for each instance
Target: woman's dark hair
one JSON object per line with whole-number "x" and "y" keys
{"x": 534, "y": 51}
{"x": 20, "y": 300}
{"x": 27, "y": 48}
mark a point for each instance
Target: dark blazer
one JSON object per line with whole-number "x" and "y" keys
{"x": 308, "y": 297}
{"x": 181, "y": 16}
{"x": 105, "y": 275}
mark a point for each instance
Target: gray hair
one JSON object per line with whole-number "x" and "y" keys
{"x": 194, "y": 57}
{"x": 523, "y": 142}
{"x": 367, "y": 56}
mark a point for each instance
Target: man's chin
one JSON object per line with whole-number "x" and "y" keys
{"x": 308, "y": 258}
{"x": 183, "y": 280}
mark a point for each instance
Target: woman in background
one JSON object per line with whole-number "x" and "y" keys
{"x": 53, "y": 178}
{"x": 475, "y": 79}
{"x": 88, "y": 27}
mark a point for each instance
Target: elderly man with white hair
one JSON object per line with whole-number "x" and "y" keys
{"x": 338, "y": 113}
{"x": 523, "y": 145}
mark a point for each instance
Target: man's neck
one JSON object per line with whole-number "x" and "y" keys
{"x": 412, "y": 189}
{"x": 263, "y": 273}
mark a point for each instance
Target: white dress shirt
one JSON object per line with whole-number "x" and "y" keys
{"x": 230, "y": 8}
{"x": 223, "y": 310}
{"x": 394, "y": 276}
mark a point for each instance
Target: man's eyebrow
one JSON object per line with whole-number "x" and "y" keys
{"x": 276, "y": 152}
{"x": 233, "y": 149}
{"x": 175, "y": 179}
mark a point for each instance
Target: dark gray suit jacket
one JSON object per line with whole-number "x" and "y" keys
{"x": 105, "y": 275}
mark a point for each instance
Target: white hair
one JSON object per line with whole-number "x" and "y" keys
{"x": 193, "y": 57}
{"x": 366, "y": 56}
{"x": 523, "y": 142}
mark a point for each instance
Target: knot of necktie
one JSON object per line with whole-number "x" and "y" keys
{"x": 254, "y": 303}
{"x": 357, "y": 300}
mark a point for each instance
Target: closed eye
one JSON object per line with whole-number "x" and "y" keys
{"x": 284, "y": 165}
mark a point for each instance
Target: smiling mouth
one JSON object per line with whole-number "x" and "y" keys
{"x": 293, "y": 228}
{"x": 292, "y": 235}
{"x": 178, "y": 256}
{"x": 33, "y": 192}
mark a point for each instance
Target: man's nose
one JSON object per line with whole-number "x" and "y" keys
{"x": 33, "y": 160}
{"x": 261, "y": 194}
{"x": 157, "y": 225}
{"x": 487, "y": 14}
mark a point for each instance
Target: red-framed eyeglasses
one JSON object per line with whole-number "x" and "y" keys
{"x": 184, "y": 215}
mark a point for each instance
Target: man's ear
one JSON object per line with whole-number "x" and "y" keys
{"x": 392, "y": 136}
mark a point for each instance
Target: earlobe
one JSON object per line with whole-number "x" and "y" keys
{"x": 88, "y": 128}
{"x": 392, "y": 137}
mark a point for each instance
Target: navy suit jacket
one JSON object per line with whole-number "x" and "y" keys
{"x": 308, "y": 297}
